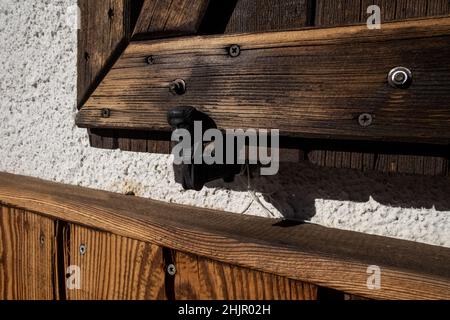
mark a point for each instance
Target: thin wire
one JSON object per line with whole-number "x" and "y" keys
{"x": 253, "y": 195}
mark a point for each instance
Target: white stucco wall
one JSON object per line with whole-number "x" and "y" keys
{"x": 39, "y": 139}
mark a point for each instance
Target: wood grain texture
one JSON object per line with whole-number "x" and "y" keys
{"x": 287, "y": 81}
{"x": 203, "y": 279}
{"x": 115, "y": 267}
{"x": 345, "y": 13}
{"x": 268, "y": 15}
{"x": 326, "y": 257}
{"x": 103, "y": 34}
{"x": 27, "y": 249}
{"x": 337, "y": 12}
{"x": 170, "y": 17}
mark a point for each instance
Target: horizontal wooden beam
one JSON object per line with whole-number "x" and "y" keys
{"x": 313, "y": 83}
{"x": 327, "y": 257}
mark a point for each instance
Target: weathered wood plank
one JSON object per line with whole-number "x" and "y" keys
{"x": 103, "y": 34}
{"x": 268, "y": 15}
{"x": 27, "y": 251}
{"x": 287, "y": 81}
{"x": 438, "y": 7}
{"x": 114, "y": 267}
{"x": 337, "y": 12}
{"x": 170, "y": 17}
{"x": 326, "y": 257}
{"x": 346, "y": 13}
{"x": 203, "y": 279}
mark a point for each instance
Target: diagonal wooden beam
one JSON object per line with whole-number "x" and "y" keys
{"x": 313, "y": 83}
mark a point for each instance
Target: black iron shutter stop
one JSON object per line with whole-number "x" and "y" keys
{"x": 194, "y": 176}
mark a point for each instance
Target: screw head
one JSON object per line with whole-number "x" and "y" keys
{"x": 150, "y": 60}
{"x": 83, "y": 249}
{"x": 234, "y": 51}
{"x": 171, "y": 269}
{"x": 106, "y": 113}
{"x": 365, "y": 120}
{"x": 178, "y": 87}
{"x": 400, "y": 77}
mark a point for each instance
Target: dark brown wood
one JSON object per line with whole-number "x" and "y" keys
{"x": 103, "y": 34}
{"x": 27, "y": 249}
{"x": 286, "y": 81}
{"x": 170, "y": 17}
{"x": 289, "y": 14}
{"x": 115, "y": 267}
{"x": 305, "y": 252}
{"x": 268, "y": 15}
{"x": 337, "y": 12}
{"x": 203, "y": 279}
{"x": 345, "y": 12}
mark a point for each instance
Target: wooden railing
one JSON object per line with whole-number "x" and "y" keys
{"x": 124, "y": 246}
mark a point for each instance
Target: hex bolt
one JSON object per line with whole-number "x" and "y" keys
{"x": 171, "y": 269}
{"x": 83, "y": 249}
{"x": 234, "y": 51}
{"x": 365, "y": 120}
{"x": 400, "y": 77}
{"x": 178, "y": 87}
{"x": 106, "y": 113}
{"x": 150, "y": 60}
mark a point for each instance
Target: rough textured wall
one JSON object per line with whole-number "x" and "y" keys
{"x": 39, "y": 138}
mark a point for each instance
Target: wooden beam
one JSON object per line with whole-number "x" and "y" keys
{"x": 170, "y": 17}
{"x": 313, "y": 83}
{"x": 104, "y": 33}
{"x": 310, "y": 253}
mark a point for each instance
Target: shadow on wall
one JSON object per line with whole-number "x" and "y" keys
{"x": 295, "y": 189}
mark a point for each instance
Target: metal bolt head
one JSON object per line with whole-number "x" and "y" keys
{"x": 106, "y": 113}
{"x": 150, "y": 60}
{"x": 365, "y": 120}
{"x": 178, "y": 87}
{"x": 171, "y": 269}
{"x": 83, "y": 249}
{"x": 400, "y": 77}
{"x": 234, "y": 51}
